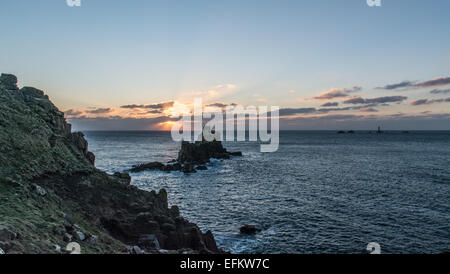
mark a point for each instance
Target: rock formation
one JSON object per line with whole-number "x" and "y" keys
{"x": 191, "y": 157}
{"x": 52, "y": 194}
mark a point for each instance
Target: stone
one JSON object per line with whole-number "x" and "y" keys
{"x": 147, "y": 166}
{"x": 33, "y": 92}
{"x": 201, "y": 167}
{"x": 67, "y": 237}
{"x": 135, "y": 250}
{"x": 188, "y": 168}
{"x": 92, "y": 239}
{"x": 57, "y": 248}
{"x": 2, "y": 252}
{"x": 80, "y": 235}
{"x": 123, "y": 178}
{"x": 8, "y": 81}
{"x": 149, "y": 242}
{"x": 59, "y": 230}
{"x": 250, "y": 229}
{"x": 168, "y": 227}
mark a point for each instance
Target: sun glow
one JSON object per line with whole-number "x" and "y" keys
{"x": 166, "y": 125}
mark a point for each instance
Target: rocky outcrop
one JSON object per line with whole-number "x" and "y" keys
{"x": 250, "y": 229}
{"x": 52, "y": 194}
{"x": 8, "y": 82}
{"x": 191, "y": 157}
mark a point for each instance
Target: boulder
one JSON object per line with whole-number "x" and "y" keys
{"x": 250, "y": 229}
{"x": 8, "y": 81}
{"x": 149, "y": 242}
{"x": 80, "y": 235}
{"x": 67, "y": 237}
{"x": 189, "y": 168}
{"x": 123, "y": 178}
{"x": 135, "y": 250}
{"x": 148, "y": 166}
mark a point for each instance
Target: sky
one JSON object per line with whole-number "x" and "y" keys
{"x": 121, "y": 65}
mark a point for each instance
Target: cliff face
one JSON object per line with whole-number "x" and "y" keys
{"x": 51, "y": 193}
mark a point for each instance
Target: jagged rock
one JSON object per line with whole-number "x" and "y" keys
{"x": 237, "y": 153}
{"x": 67, "y": 237}
{"x": 90, "y": 157}
{"x": 148, "y": 242}
{"x": 33, "y": 92}
{"x": 38, "y": 148}
{"x": 250, "y": 229}
{"x": 59, "y": 230}
{"x": 201, "y": 167}
{"x": 80, "y": 235}
{"x": 189, "y": 168}
{"x": 8, "y": 81}
{"x": 123, "y": 178}
{"x": 148, "y": 166}
{"x": 92, "y": 239}
{"x": 135, "y": 250}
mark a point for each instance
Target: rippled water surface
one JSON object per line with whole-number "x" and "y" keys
{"x": 321, "y": 192}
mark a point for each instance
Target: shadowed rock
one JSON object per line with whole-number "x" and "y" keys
{"x": 250, "y": 229}
{"x": 47, "y": 170}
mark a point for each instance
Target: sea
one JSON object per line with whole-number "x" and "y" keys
{"x": 321, "y": 192}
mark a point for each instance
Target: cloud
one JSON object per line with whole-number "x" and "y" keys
{"x": 403, "y": 84}
{"x": 377, "y": 100}
{"x": 292, "y": 91}
{"x": 337, "y": 93}
{"x": 100, "y": 111}
{"x": 73, "y": 112}
{"x": 429, "y": 101}
{"x": 119, "y": 123}
{"x": 221, "y": 105}
{"x": 368, "y": 110}
{"x": 330, "y": 104}
{"x": 161, "y": 106}
{"x": 440, "y": 81}
{"x": 293, "y": 111}
{"x": 440, "y": 91}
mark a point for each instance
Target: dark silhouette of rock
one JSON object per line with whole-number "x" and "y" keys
{"x": 8, "y": 81}
{"x": 250, "y": 229}
{"x": 148, "y": 166}
{"x": 189, "y": 168}
{"x": 191, "y": 157}
{"x": 54, "y": 172}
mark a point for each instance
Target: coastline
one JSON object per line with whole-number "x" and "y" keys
{"x": 52, "y": 194}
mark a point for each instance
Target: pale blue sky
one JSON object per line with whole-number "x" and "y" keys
{"x": 111, "y": 53}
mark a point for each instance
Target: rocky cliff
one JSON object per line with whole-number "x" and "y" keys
{"x": 52, "y": 194}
